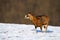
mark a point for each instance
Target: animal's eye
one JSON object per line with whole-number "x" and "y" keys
{"x": 26, "y": 15}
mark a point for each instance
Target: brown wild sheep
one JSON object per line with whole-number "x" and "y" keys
{"x": 38, "y": 21}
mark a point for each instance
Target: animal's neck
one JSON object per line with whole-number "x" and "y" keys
{"x": 34, "y": 19}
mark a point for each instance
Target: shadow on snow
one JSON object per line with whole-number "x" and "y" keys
{"x": 48, "y": 31}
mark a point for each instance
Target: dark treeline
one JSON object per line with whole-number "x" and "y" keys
{"x": 13, "y": 11}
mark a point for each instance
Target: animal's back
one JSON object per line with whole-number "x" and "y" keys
{"x": 43, "y": 19}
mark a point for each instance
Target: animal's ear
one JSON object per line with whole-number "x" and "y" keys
{"x": 29, "y": 12}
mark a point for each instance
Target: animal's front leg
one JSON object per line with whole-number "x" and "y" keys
{"x": 35, "y": 27}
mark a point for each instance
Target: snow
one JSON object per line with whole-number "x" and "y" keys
{"x": 27, "y": 32}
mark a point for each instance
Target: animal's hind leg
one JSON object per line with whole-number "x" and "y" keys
{"x": 45, "y": 27}
{"x": 41, "y": 28}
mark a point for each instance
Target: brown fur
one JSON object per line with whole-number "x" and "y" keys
{"x": 38, "y": 21}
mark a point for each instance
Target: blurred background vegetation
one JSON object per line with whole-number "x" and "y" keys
{"x": 13, "y": 11}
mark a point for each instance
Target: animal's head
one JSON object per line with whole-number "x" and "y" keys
{"x": 29, "y": 16}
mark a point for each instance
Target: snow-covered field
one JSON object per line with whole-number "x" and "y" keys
{"x": 26, "y": 32}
